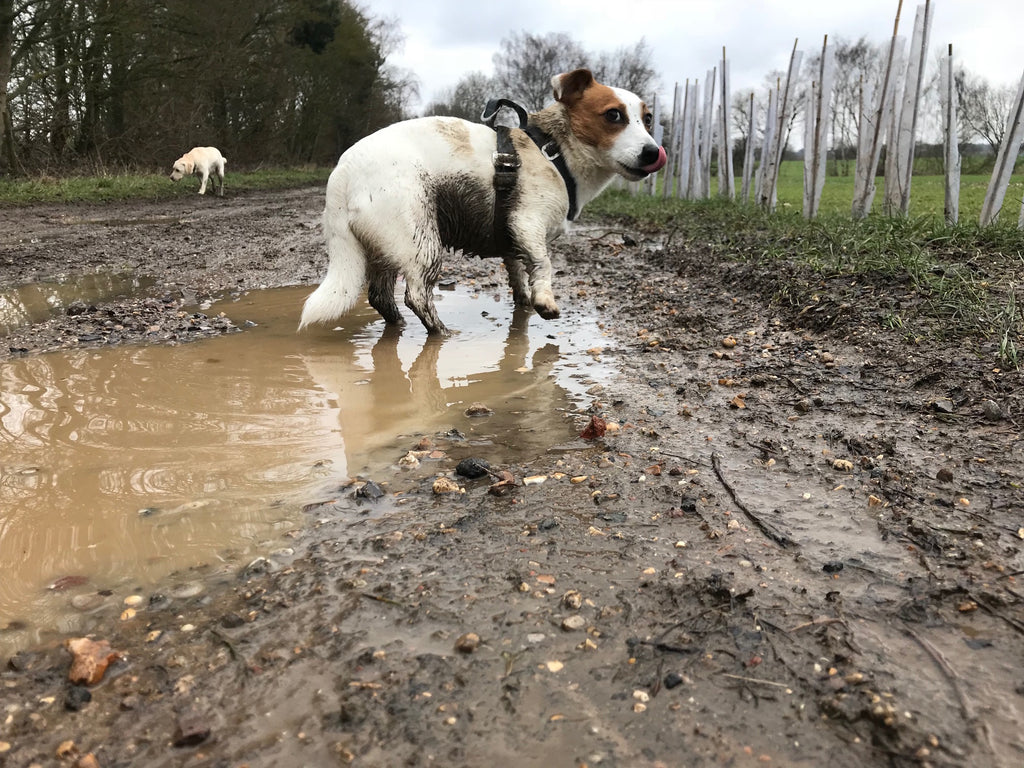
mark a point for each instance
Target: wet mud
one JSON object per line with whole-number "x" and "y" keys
{"x": 798, "y": 542}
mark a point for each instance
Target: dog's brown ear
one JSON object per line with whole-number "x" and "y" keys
{"x": 568, "y": 88}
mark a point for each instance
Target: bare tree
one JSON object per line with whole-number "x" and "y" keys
{"x": 856, "y": 63}
{"x": 7, "y": 15}
{"x": 984, "y": 108}
{"x": 524, "y": 66}
{"x": 627, "y": 67}
{"x": 466, "y": 99}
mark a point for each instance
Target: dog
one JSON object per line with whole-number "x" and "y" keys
{"x": 401, "y": 197}
{"x": 202, "y": 162}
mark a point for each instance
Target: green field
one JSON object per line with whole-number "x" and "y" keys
{"x": 145, "y": 186}
{"x": 927, "y": 194}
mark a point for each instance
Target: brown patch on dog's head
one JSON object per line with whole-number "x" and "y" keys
{"x": 597, "y": 113}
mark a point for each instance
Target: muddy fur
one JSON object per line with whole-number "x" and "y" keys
{"x": 402, "y": 198}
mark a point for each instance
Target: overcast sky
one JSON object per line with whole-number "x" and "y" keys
{"x": 446, "y": 39}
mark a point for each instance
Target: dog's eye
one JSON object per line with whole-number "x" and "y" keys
{"x": 614, "y": 116}
{"x": 648, "y": 120}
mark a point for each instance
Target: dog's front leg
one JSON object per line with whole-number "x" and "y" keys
{"x": 202, "y": 186}
{"x": 519, "y": 281}
{"x": 538, "y": 266}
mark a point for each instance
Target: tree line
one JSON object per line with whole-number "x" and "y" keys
{"x": 981, "y": 116}
{"x": 134, "y": 83}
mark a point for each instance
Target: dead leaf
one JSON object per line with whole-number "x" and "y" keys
{"x": 595, "y": 429}
{"x": 91, "y": 659}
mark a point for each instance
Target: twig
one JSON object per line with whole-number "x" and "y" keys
{"x": 954, "y": 680}
{"x": 380, "y": 599}
{"x": 822, "y": 622}
{"x": 756, "y": 680}
{"x": 780, "y": 538}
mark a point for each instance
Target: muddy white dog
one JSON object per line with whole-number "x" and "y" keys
{"x": 399, "y": 198}
{"x": 202, "y": 162}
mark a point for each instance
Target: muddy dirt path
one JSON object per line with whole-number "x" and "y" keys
{"x": 793, "y": 547}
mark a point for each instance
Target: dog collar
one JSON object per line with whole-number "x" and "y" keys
{"x": 550, "y": 149}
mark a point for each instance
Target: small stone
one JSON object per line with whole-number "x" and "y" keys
{"x": 729, "y": 342}
{"x": 991, "y": 410}
{"x": 87, "y": 761}
{"x": 369, "y": 490}
{"x": 467, "y": 643}
{"x": 944, "y": 475}
{"x": 672, "y": 680}
{"x": 77, "y": 697}
{"x": 534, "y": 479}
{"x": 444, "y": 485}
{"x": 554, "y": 666}
{"x": 66, "y": 749}
{"x": 472, "y": 468}
{"x": 477, "y": 410}
{"x": 87, "y": 602}
{"x": 843, "y": 465}
{"x": 572, "y": 600}
{"x": 641, "y": 695}
{"x": 574, "y": 623}
{"x": 832, "y": 566}
{"x": 134, "y": 601}
{"x": 192, "y": 729}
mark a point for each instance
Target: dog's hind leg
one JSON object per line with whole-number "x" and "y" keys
{"x": 419, "y": 294}
{"x": 381, "y": 294}
{"x": 518, "y": 280}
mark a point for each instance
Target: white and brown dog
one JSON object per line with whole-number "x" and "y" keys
{"x": 399, "y": 198}
{"x": 202, "y": 162}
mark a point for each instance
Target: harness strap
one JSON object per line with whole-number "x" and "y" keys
{"x": 507, "y": 162}
{"x": 550, "y": 149}
{"x": 506, "y": 170}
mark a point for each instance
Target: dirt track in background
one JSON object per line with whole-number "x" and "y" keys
{"x": 800, "y": 548}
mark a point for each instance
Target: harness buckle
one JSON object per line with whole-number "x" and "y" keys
{"x": 551, "y": 150}
{"x": 506, "y": 161}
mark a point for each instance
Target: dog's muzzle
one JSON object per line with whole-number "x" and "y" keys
{"x": 653, "y": 159}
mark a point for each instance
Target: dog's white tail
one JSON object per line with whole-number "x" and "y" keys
{"x": 346, "y": 274}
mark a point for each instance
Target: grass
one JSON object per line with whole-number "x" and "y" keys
{"x": 913, "y": 274}
{"x": 152, "y": 186}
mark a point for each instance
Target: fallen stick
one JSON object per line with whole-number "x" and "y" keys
{"x": 780, "y": 538}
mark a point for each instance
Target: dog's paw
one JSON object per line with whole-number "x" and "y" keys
{"x": 547, "y": 311}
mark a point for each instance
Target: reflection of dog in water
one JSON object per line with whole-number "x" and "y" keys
{"x": 391, "y": 403}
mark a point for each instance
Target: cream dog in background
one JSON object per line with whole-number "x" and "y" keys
{"x": 401, "y": 197}
{"x": 202, "y": 162}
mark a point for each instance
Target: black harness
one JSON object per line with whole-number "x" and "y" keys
{"x": 507, "y": 162}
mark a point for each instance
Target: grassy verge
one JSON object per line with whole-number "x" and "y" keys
{"x": 101, "y": 189}
{"x": 916, "y": 274}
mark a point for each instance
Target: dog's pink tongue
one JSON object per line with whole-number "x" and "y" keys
{"x": 657, "y": 164}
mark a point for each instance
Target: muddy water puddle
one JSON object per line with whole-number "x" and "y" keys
{"x": 122, "y": 466}
{"x": 36, "y": 302}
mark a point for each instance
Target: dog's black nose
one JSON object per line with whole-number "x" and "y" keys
{"x": 649, "y": 154}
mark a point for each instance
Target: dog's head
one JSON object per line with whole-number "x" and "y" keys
{"x": 614, "y": 121}
{"x": 183, "y": 166}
